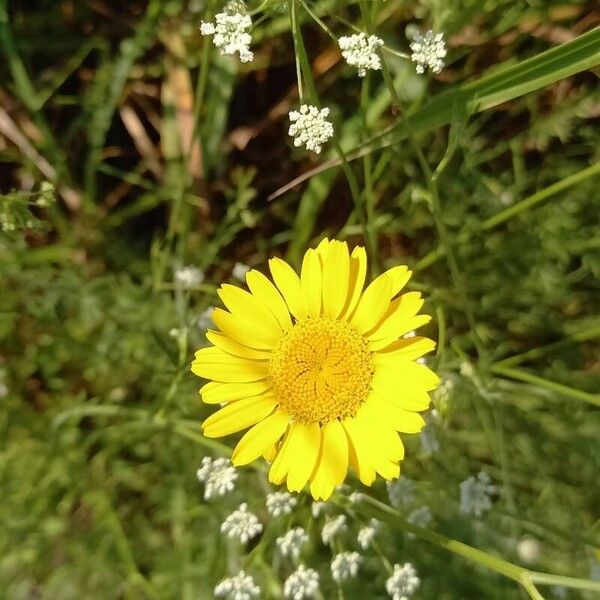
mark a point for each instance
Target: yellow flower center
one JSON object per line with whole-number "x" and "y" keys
{"x": 321, "y": 370}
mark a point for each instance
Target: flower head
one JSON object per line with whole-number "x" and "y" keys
{"x": 316, "y": 508}
{"x": 229, "y": 31}
{"x": 302, "y": 584}
{"x": 204, "y": 320}
{"x": 401, "y": 492}
{"x": 317, "y": 369}
{"x": 241, "y": 524}
{"x": 367, "y": 534}
{"x": 238, "y": 587}
{"x": 239, "y": 271}
{"x": 290, "y": 544}
{"x": 189, "y": 277}
{"x": 280, "y": 503}
{"x": 218, "y": 475}
{"x": 403, "y": 583}
{"x": 428, "y": 51}
{"x": 310, "y": 127}
{"x": 332, "y": 528}
{"x": 360, "y": 51}
{"x": 475, "y": 494}
{"x": 345, "y": 566}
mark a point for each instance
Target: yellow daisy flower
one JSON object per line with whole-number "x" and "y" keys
{"x": 318, "y": 370}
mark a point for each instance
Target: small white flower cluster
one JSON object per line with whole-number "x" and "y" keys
{"x": 428, "y": 51}
{"x": 239, "y": 271}
{"x": 403, "y": 583}
{"x": 218, "y": 475}
{"x": 241, "y": 524}
{"x": 238, "y": 587}
{"x": 280, "y": 503}
{"x": 475, "y": 494}
{"x": 420, "y": 517}
{"x": 355, "y": 497}
{"x": 302, "y": 584}
{"x": 189, "y": 277}
{"x": 367, "y": 534}
{"x": 360, "y": 51}
{"x": 204, "y": 320}
{"x": 292, "y": 542}
{"x": 345, "y": 566}
{"x": 401, "y": 491}
{"x": 310, "y": 127}
{"x": 317, "y": 508}
{"x": 229, "y": 31}
{"x": 332, "y": 528}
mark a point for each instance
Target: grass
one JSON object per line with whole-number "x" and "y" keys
{"x": 130, "y": 147}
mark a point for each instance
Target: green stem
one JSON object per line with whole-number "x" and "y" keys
{"x": 571, "y": 582}
{"x": 565, "y": 390}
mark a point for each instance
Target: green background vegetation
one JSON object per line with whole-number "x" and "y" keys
{"x": 162, "y": 153}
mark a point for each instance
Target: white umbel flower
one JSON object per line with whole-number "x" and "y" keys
{"x": 332, "y": 528}
{"x": 291, "y": 543}
{"x": 428, "y": 51}
{"x": 360, "y": 51}
{"x": 345, "y": 565}
{"x": 238, "y": 587}
{"x": 302, "y": 584}
{"x": 401, "y": 491}
{"x": 316, "y": 508}
{"x": 310, "y": 127}
{"x": 280, "y": 503}
{"x": 239, "y": 271}
{"x": 420, "y": 517}
{"x": 189, "y": 277}
{"x": 241, "y": 524}
{"x": 218, "y": 476}
{"x": 475, "y": 494}
{"x": 204, "y": 320}
{"x": 403, "y": 583}
{"x": 229, "y": 31}
{"x": 367, "y": 534}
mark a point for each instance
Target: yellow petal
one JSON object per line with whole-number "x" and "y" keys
{"x": 216, "y": 392}
{"x": 266, "y": 293}
{"x": 238, "y": 415}
{"x": 230, "y": 346}
{"x": 323, "y": 247}
{"x": 288, "y": 284}
{"x": 372, "y": 305}
{"x": 389, "y": 446}
{"x": 400, "y": 311}
{"x": 414, "y": 400}
{"x": 281, "y": 464}
{"x": 359, "y": 449}
{"x": 407, "y": 349}
{"x": 356, "y": 280}
{"x": 409, "y": 325}
{"x": 245, "y": 306}
{"x": 270, "y": 453}
{"x": 336, "y": 266}
{"x": 311, "y": 281}
{"x": 305, "y": 440}
{"x": 397, "y": 418}
{"x": 399, "y": 276}
{"x": 246, "y": 332}
{"x": 260, "y": 439}
{"x": 332, "y": 462}
{"x": 213, "y": 363}
{"x": 407, "y": 375}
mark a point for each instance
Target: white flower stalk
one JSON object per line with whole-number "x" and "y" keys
{"x": 333, "y": 528}
{"x": 218, "y": 476}
{"x": 403, "y": 583}
{"x": 345, "y": 565}
{"x": 316, "y": 508}
{"x": 475, "y": 494}
{"x": 302, "y": 584}
{"x": 401, "y": 492}
{"x": 238, "y": 587}
{"x": 241, "y": 524}
{"x": 367, "y": 534}
{"x": 360, "y": 51}
{"x": 239, "y": 271}
{"x": 310, "y": 127}
{"x": 189, "y": 277}
{"x": 428, "y": 51}
{"x": 280, "y": 503}
{"x": 229, "y": 31}
{"x": 290, "y": 544}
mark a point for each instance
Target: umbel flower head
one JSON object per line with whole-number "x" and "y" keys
{"x": 360, "y": 51}
{"x": 229, "y": 31}
{"x": 428, "y": 51}
{"x": 310, "y": 127}
{"x": 316, "y": 366}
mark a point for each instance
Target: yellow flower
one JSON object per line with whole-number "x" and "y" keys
{"x": 318, "y": 370}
